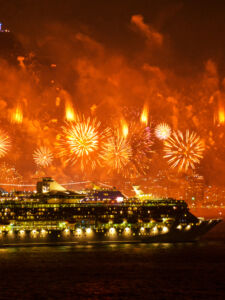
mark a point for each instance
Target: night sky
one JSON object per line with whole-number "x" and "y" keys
{"x": 111, "y": 55}
{"x": 193, "y": 30}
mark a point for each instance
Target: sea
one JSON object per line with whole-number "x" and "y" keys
{"x": 117, "y": 271}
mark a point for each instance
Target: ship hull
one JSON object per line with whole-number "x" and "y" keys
{"x": 62, "y": 237}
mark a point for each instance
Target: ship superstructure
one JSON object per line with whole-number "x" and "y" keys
{"x": 54, "y": 214}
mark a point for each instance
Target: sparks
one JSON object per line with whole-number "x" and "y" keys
{"x": 162, "y": 131}
{"x": 183, "y": 151}
{"x": 43, "y": 157}
{"x": 9, "y": 175}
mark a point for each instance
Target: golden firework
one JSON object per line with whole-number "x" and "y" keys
{"x": 81, "y": 141}
{"x": 5, "y": 143}
{"x": 117, "y": 152}
{"x": 43, "y": 156}
{"x": 183, "y": 151}
{"x": 163, "y": 131}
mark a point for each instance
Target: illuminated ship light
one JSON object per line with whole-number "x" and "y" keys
{"x": 89, "y": 231}
{"x": 127, "y": 231}
{"x": 112, "y": 231}
{"x": 142, "y": 229}
{"x": 66, "y": 231}
{"x": 79, "y": 231}
{"x": 22, "y": 233}
{"x": 165, "y": 229}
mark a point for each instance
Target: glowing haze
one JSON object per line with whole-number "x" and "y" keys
{"x": 68, "y": 68}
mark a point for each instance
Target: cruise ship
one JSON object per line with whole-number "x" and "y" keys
{"x": 55, "y": 215}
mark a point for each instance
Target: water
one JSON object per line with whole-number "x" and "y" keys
{"x": 124, "y": 271}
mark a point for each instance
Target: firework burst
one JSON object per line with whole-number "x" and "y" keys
{"x": 116, "y": 152}
{"x": 5, "y": 143}
{"x": 183, "y": 151}
{"x": 141, "y": 143}
{"x": 8, "y": 174}
{"x": 162, "y": 131}
{"x": 43, "y": 157}
{"x": 130, "y": 154}
{"x": 81, "y": 141}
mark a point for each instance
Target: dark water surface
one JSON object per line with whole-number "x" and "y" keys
{"x": 123, "y": 271}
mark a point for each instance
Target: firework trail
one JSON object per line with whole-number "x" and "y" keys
{"x": 43, "y": 157}
{"x": 144, "y": 115}
{"x": 69, "y": 112}
{"x": 183, "y": 151}
{"x": 17, "y": 115}
{"x": 163, "y": 131}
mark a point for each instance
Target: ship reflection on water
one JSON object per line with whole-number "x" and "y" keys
{"x": 115, "y": 271}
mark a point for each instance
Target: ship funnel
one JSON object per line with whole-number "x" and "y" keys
{"x": 48, "y": 185}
